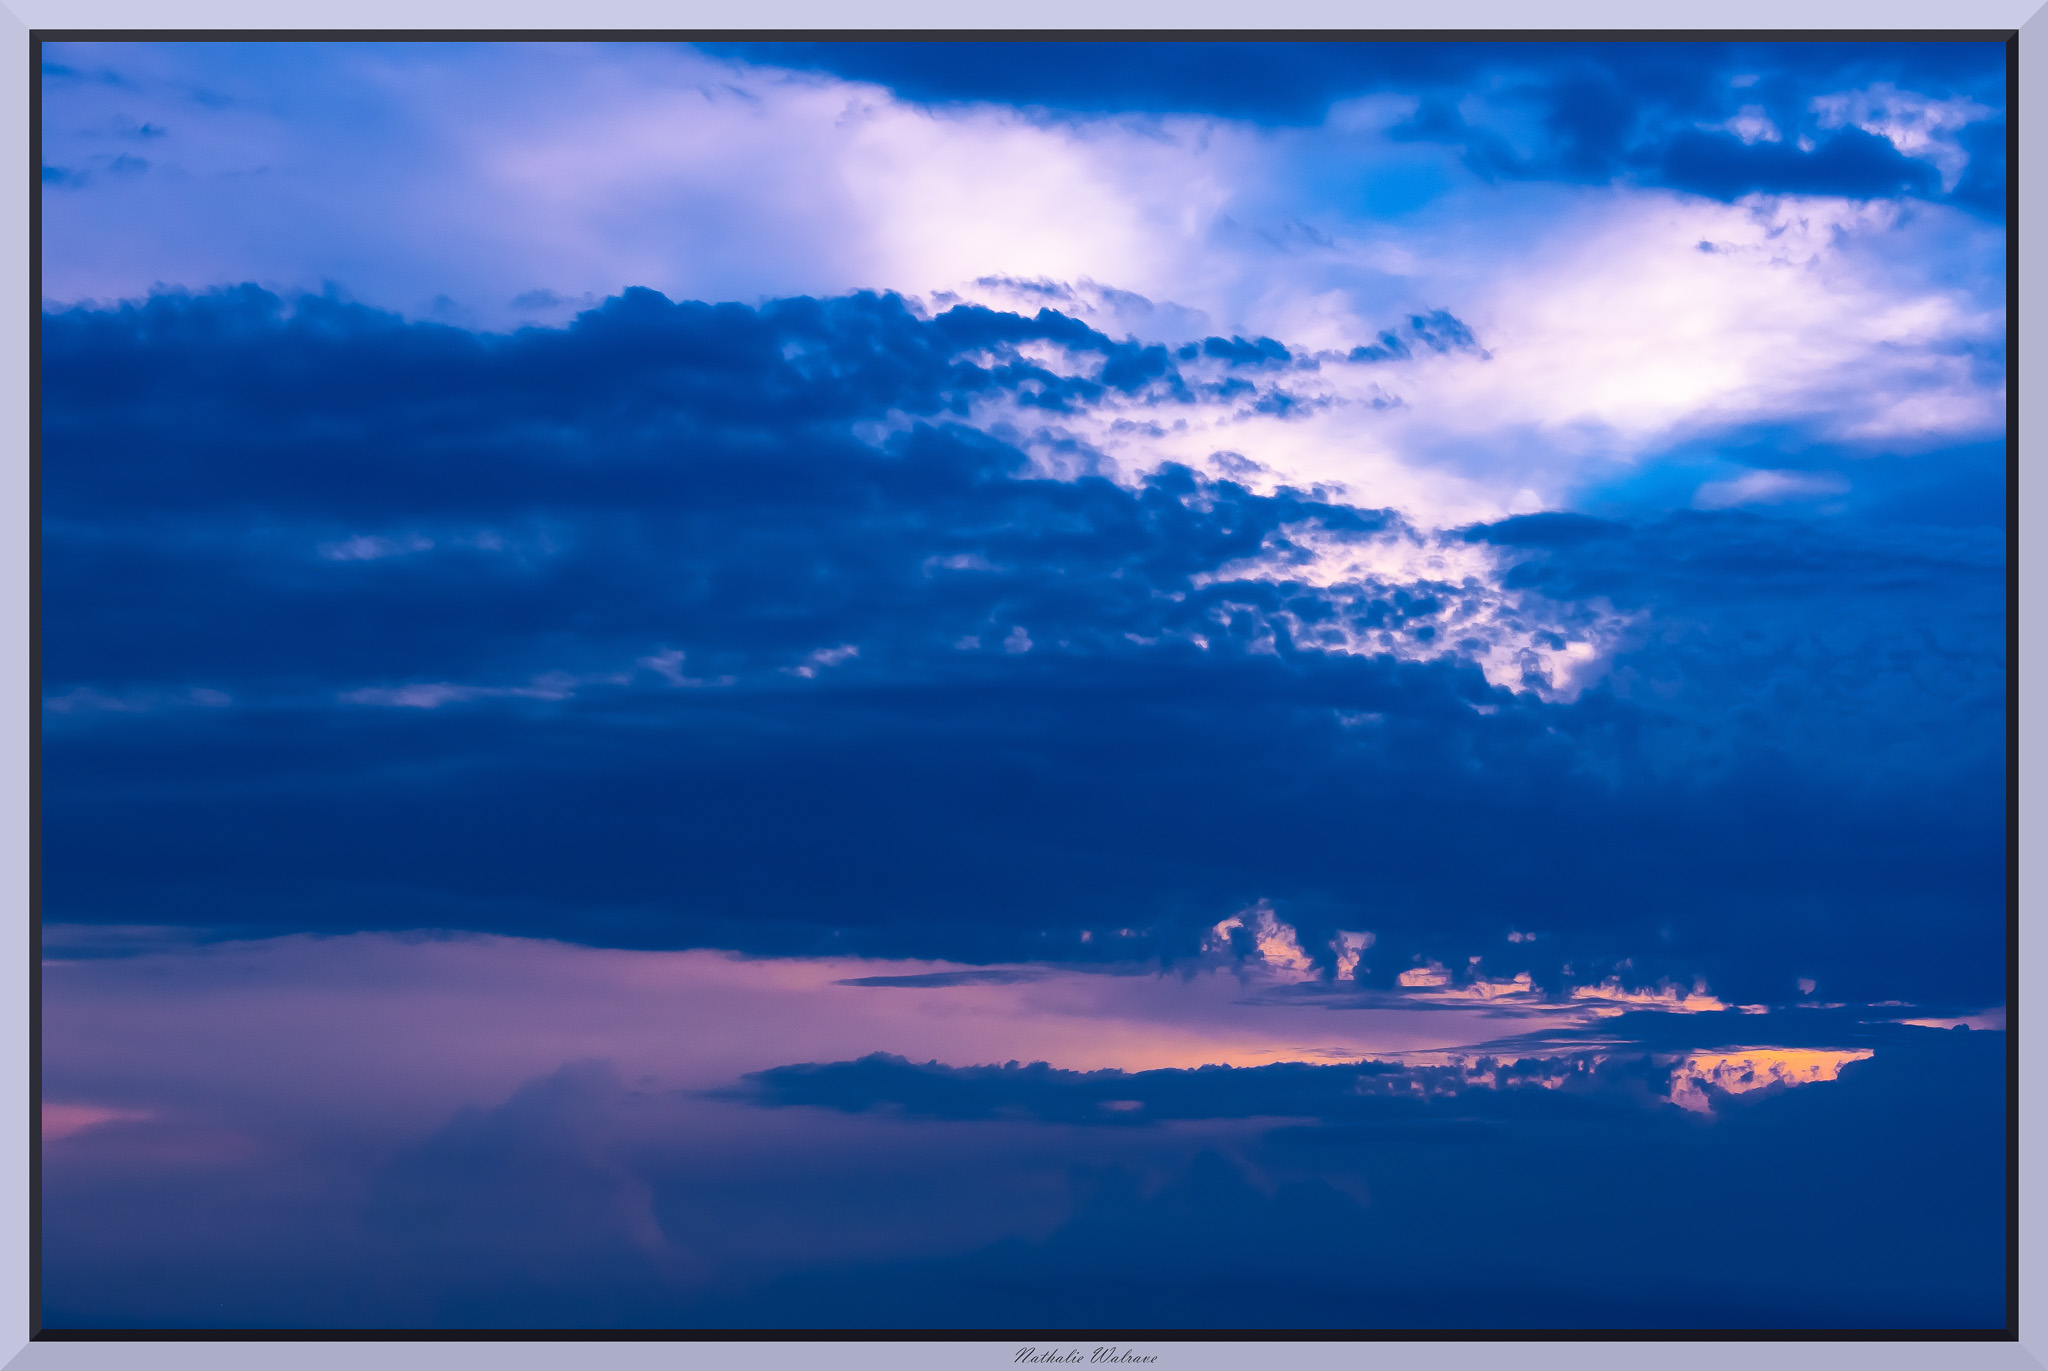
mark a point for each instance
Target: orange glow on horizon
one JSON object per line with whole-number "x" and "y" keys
{"x": 1754, "y": 1068}
{"x": 1615, "y": 998}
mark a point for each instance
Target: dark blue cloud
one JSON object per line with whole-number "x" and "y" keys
{"x": 637, "y": 550}
{"x": 1237, "y": 352}
{"x": 1850, "y": 162}
{"x": 1380, "y": 1093}
{"x": 1482, "y": 1213}
{"x": 1298, "y": 81}
{"x": 1439, "y": 331}
{"x": 1554, "y": 110}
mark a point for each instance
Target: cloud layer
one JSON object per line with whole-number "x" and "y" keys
{"x": 657, "y": 543}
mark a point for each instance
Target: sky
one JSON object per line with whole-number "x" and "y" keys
{"x": 952, "y": 685}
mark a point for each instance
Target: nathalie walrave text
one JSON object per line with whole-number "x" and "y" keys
{"x": 1073, "y": 1355}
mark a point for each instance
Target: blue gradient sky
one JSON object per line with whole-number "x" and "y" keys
{"x": 695, "y": 580}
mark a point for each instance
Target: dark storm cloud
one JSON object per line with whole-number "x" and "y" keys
{"x": 1649, "y": 112}
{"x": 629, "y": 633}
{"x": 1851, "y": 163}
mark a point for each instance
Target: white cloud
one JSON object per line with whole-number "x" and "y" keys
{"x": 1280, "y": 948}
{"x": 1350, "y": 948}
{"x": 1521, "y": 640}
{"x": 823, "y": 658}
{"x": 1277, "y": 947}
{"x": 1617, "y": 333}
{"x": 1752, "y": 125}
{"x": 1914, "y": 124}
{"x": 1612, "y": 324}
{"x": 667, "y": 665}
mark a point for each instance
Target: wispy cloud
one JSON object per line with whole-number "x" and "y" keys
{"x": 1915, "y": 124}
{"x": 1769, "y": 488}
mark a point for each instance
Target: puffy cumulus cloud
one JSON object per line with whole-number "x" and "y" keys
{"x": 1351, "y": 950}
{"x": 1275, "y": 948}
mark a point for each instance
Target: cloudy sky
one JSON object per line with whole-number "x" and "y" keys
{"x": 906, "y": 685}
